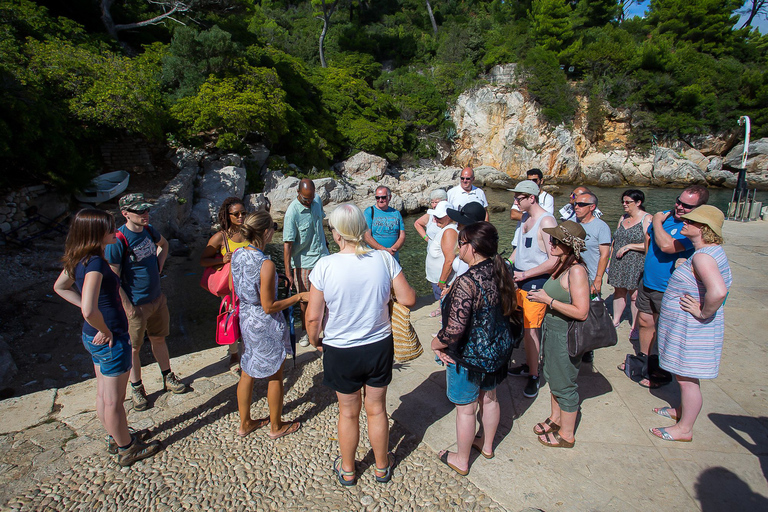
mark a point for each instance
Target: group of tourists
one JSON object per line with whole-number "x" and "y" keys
{"x": 670, "y": 268}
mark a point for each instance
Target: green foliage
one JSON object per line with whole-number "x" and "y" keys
{"x": 252, "y": 102}
{"x": 547, "y": 84}
{"x": 551, "y": 24}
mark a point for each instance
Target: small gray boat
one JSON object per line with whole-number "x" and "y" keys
{"x": 104, "y": 187}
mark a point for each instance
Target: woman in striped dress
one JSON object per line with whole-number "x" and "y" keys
{"x": 691, "y": 325}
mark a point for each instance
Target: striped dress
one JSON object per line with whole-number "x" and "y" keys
{"x": 688, "y": 346}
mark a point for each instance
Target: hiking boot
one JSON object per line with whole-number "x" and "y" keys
{"x": 532, "y": 387}
{"x": 588, "y": 357}
{"x": 172, "y": 383}
{"x": 520, "y": 371}
{"x": 137, "y": 451}
{"x": 141, "y": 435}
{"x": 139, "y": 398}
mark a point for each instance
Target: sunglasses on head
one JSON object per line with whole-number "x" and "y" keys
{"x": 684, "y": 205}
{"x": 380, "y": 198}
{"x": 582, "y": 204}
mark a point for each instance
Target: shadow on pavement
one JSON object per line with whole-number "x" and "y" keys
{"x": 734, "y": 426}
{"x": 719, "y": 489}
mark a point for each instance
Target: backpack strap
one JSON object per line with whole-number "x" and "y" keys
{"x": 127, "y": 251}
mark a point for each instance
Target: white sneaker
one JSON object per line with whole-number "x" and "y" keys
{"x": 304, "y": 341}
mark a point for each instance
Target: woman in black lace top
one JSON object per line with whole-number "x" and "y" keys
{"x": 475, "y": 343}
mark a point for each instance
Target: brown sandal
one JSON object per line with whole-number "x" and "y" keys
{"x": 553, "y": 427}
{"x": 561, "y": 443}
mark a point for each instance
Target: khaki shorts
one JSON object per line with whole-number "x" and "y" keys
{"x": 648, "y": 301}
{"x": 302, "y": 278}
{"x": 533, "y": 312}
{"x": 152, "y": 318}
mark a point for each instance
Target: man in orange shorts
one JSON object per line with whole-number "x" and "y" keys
{"x": 532, "y": 264}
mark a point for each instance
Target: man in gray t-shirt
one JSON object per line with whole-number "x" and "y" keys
{"x": 598, "y": 239}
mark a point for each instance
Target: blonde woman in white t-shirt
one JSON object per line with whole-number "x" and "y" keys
{"x": 355, "y": 285}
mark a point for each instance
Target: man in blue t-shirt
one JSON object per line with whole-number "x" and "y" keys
{"x": 386, "y": 230}
{"x": 664, "y": 245}
{"x": 138, "y": 257}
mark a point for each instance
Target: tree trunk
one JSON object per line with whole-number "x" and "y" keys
{"x": 322, "y": 39}
{"x": 757, "y": 7}
{"x": 432, "y": 18}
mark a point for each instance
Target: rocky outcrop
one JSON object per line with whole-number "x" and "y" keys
{"x": 756, "y": 165}
{"x": 497, "y": 126}
{"x": 363, "y": 166}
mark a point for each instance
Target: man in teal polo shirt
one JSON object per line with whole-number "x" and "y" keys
{"x": 303, "y": 240}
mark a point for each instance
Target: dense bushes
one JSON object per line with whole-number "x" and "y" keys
{"x": 239, "y": 71}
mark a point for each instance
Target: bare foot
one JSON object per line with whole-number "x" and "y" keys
{"x": 251, "y": 425}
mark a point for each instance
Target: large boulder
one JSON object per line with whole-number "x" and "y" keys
{"x": 490, "y": 177}
{"x": 615, "y": 168}
{"x": 213, "y": 189}
{"x": 259, "y": 154}
{"x": 215, "y": 162}
{"x": 363, "y": 166}
{"x": 174, "y": 205}
{"x": 757, "y": 162}
{"x": 282, "y": 194}
{"x": 255, "y": 202}
{"x": 669, "y": 168}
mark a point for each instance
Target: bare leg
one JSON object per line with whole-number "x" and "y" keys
{"x": 647, "y": 331}
{"x": 275, "y": 401}
{"x": 378, "y": 423}
{"x": 490, "y": 414}
{"x": 244, "y": 396}
{"x": 465, "y": 434}
{"x": 160, "y": 351}
{"x": 349, "y": 427}
{"x": 619, "y": 303}
{"x": 136, "y": 367}
{"x": 690, "y": 407}
{"x": 110, "y": 395}
{"x": 556, "y": 411}
{"x": 531, "y": 339}
{"x": 633, "y": 309}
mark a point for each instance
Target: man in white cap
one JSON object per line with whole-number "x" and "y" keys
{"x": 532, "y": 265}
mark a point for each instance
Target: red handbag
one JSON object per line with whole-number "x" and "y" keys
{"x": 228, "y": 321}
{"x": 216, "y": 279}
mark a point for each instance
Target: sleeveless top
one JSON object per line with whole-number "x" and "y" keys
{"x": 625, "y": 272}
{"x": 233, "y": 246}
{"x": 435, "y": 256}
{"x": 432, "y": 228}
{"x": 528, "y": 254}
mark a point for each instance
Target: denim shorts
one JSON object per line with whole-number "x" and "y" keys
{"x": 460, "y": 390}
{"x": 113, "y": 361}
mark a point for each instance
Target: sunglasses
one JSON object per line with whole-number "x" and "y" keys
{"x": 583, "y": 205}
{"x": 306, "y": 200}
{"x": 137, "y": 212}
{"x": 519, "y": 199}
{"x": 465, "y": 179}
{"x": 627, "y": 202}
{"x": 241, "y": 213}
{"x": 462, "y": 243}
{"x": 381, "y": 198}
{"x": 554, "y": 241}
{"x": 684, "y": 205}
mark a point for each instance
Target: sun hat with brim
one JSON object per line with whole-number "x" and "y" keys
{"x": 468, "y": 214}
{"x": 708, "y": 215}
{"x": 571, "y": 234}
{"x": 134, "y": 201}
{"x": 527, "y": 187}
{"x": 440, "y": 210}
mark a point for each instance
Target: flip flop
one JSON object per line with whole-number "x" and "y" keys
{"x": 663, "y": 434}
{"x": 479, "y": 447}
{"x": 667, "y": 412}
{"x": 292, "y": 427}
{"x": 444, "y": 460}
{"x": 649, "y": 384}
{"x": 256, "y": 426}
{"x": 434, "y": 313}
{"x": 561, "y": 443}
{"x": 553, "y": 427}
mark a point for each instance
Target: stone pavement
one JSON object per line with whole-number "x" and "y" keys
{"x": 52, "y": 447}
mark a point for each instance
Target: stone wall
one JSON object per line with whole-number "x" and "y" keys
{"x": 17, "y": 204}
{"x": 130, "y": 154}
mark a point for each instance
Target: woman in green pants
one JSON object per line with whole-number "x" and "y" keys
{"x": 566, "y": 294}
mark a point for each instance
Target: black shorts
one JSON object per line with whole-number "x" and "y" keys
{"x": 648, "y": 301}
{"x": 347, "y": 370}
